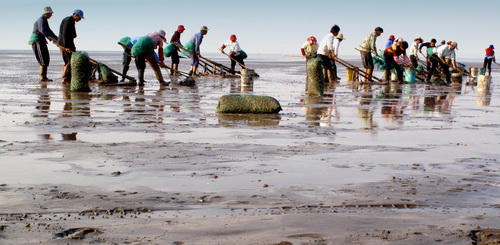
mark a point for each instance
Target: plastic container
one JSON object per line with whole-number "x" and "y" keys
{"x": 352, "y": 75}
{"x": 410, "y": 75}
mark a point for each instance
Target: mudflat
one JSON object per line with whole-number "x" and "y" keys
{"x": 406, "y": 163}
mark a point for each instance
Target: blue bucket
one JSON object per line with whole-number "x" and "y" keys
{"x": 410, "y": 75}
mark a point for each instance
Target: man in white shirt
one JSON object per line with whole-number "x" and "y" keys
{"x": 414, "y": 51}
{"x": 447, "y": 52}
{"x": 326, "y": 53}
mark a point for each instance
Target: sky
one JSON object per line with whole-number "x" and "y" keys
{"x": 262, "y": 26}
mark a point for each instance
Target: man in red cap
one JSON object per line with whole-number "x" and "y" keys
{"x": 488, "y": 58}
{"x": 235, "y": 52}
{"x": 176, "y": 38}
{"x": 390, "y": 41}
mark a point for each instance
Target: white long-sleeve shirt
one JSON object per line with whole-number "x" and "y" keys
{"x": 326, "y": 44}
{"x": 233, "y": 47}
{"x": 445, "y": 52}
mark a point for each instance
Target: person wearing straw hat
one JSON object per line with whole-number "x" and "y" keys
{"x": 327, "y": 55}
{"x": 447, "y": 52}
{"x": 414, "y": 51}
{"x": 367, "y": 48}
{"x": 176, "y": 38}
{"x": 309, "y": 49}
{"x": 67, "y": 34}
{"x": 197, "y": 39}
{"x": 235, "y": 52}
{"x": 489, "y": 58}
{"x": 41, "y": 32}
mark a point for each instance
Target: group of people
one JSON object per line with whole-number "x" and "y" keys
{"x": 394, "y": 55}
{"x": 141, "y": 48}
{"x": 65, "y": 42}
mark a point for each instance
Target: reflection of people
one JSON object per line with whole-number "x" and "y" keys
{"x": 41, "y": 31}
{"x": 67, "y": 34}
{"x": 176, "y": 38}
{"x": 234, "y": 51}
{"x": 197, "y": 39}
{"x": 367, "y": 48}
{"x": 327, "y": 55}
{"x": 489, "y": 58}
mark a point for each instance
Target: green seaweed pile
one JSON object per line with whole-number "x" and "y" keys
{"x": 257, "y": 104}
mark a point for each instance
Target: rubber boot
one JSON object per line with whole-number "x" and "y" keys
{"x": 43, "y": 74}
{"x": 141, "y": 76}
{"x": 159, "y": 77}
{"x": 387, "y": 75}
{"x": 369, "y": 74}
{"x": 331, "y": 76}
{"x": 175, "y": 69}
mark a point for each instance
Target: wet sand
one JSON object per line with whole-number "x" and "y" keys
{"x": 393, "y": 164}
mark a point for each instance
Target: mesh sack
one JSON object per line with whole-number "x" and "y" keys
{"x": 243, "y": 54}
{"x": 107, "y": 75}
{"x": 315, "y": 77}
{"x": 143, "y": 46}
{"x": 189, "y": 46}
{"x": 80, "y": 71}
{"x": 169, "y": 49}
{"x": 126, "y": 41}
{"x": 33, "y": 38}
{"x": 257, "y": 104}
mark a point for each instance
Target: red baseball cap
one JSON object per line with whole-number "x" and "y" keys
{"x": 232, "y": 37}
{"x": 181, "y": 28}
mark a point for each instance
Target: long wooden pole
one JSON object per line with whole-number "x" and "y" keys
{"x": 206, "y": 59}
{"x": 362, "y": 73}
{"x": 244, "y": 67}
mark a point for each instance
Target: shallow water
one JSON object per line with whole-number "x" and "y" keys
{"x": 369, "y": 127}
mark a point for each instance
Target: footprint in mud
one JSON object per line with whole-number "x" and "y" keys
{"x": 485, "y": 236}
{"x": 77, "y": 233}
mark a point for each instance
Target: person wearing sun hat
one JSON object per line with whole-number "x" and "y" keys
{"x": 309, "y": 49}
{"x": 414, "y": 51}
{"x": 447, "y": 52}
{"x": 197, "y": 39}
{"x": 41, "y": 32}
{"x": 489, "y": 57}
{"x": 176, "y": 38}
{"x": 67, "y": 34}
{"x": 235, "y": 51}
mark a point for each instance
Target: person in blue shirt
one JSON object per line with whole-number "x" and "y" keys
{"x": 41, "y": 32}
{"x": 196, "y": 40}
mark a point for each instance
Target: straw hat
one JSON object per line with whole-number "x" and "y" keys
{"x": 340, "y": 36}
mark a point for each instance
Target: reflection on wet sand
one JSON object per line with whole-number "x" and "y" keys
{"x": 254, "y": 120}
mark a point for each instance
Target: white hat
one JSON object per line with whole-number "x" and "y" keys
{"x": 47, "y": 10}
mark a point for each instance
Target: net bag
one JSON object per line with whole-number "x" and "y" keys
{"x": 126, "y": 41}
{"x": 33, "y": 38}
{"x": 169, "y": 49}
{"x": 257, "y": 104}
{"x": 243, "y": 54}
{"x": 107, "y": 75}
{"x": 143, "y": 46}
{"x": 189, "y": 46}
{"x": 80, "y": 72}
{"x": 315, "y": 77}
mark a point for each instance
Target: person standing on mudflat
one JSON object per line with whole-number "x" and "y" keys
{"x": 367, "y": 48}
{"x": 41, "y": 32}
{"x": 197, "y": 39}
{"x": 67, "y": 34}
{"x": 176, "y": 38}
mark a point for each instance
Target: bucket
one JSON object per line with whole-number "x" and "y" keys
{"x": 410, "y": 75}
{"x": 483, "y": 83}
{"x": 456, "y": 77}
{"x": 480, "y": 71}
{"x": 352, "y": 75}
{"x": 473, "y": 71}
